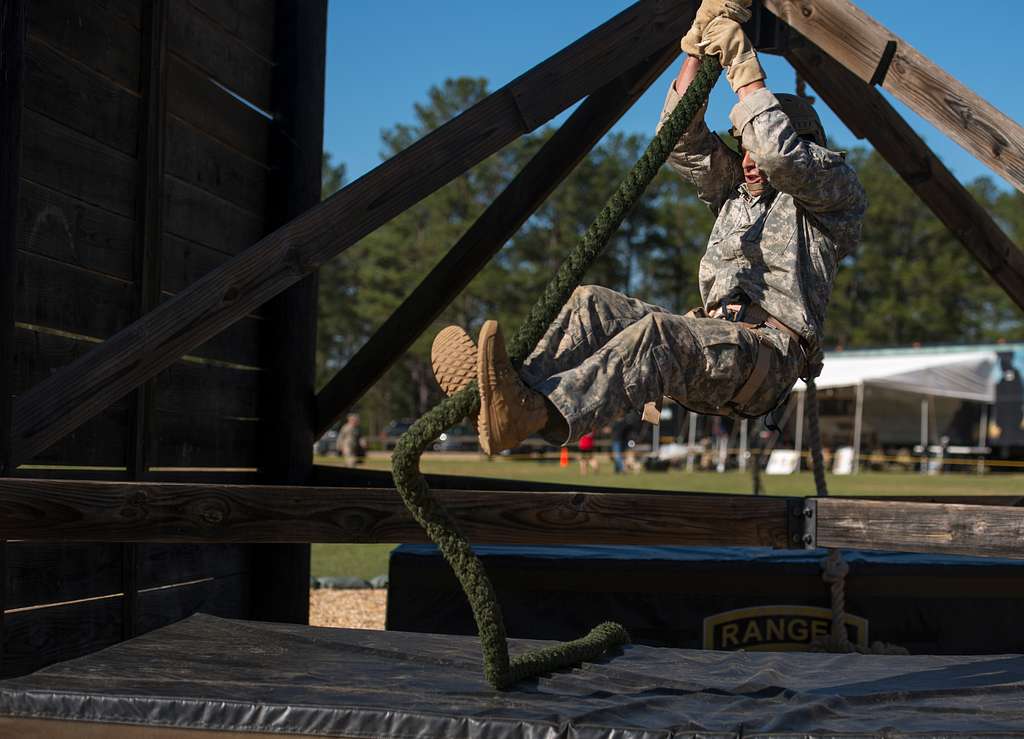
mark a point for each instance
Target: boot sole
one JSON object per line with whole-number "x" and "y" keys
{"x": 484, "y": 347}
{"x": 453, "y": 357}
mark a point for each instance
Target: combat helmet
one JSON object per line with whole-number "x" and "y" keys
{"x": 803, "y": 116}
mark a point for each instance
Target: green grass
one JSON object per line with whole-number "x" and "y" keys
{"x": 369, "y": 560}
{"x": 355, "y": 560}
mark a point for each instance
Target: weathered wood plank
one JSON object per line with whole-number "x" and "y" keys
{"x": 296, "y": 249}
{"x": 167, "y": 564}
{"x": 102, "y": 442}
{"x": 252, "y": 21}
{"x": 80, "y": 99}
{"x": 68, "y": 162}
{"x": 164, "y": 474}
{"x": 129, "y": 11}
{"x": 531, "y": 187}
{"x": 200, "y": 440}
{"x": 12, "y": 88}
{"x": 185, "y": 262}
{"x": 228, "y": 597}
{"x": 237, "y": 345}
{"x": 983, "y": 531}
{"x": 208, "y": 389}
{"x": 222, "y": 56}
{"x": 200, "y": 160}
{"x": 286, "y": 430}
{"x": 72, "y": 231}
{"x": 857, "y": 41}
{"x": 869, "y": 115}
{"x": 196, "y": 215}
{"x": 149, "y": 238}
{"x": 42, "y": 636}
{"x": 58, "y": 296}
{"x": 90, "y": 33}
{"x": 194, "y": 98}
{"x": 39, "y": 573}
{"x": 123, "y": 511}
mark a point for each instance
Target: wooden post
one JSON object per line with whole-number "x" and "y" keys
{"x": 147, "y": 259}
{"x": 12, "y": 73}
{"x": 281, "y": 589}
{"x": 531, "y": 187}
{"x": 870, "y": 116}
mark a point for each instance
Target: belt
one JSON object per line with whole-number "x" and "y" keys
{"x": 752, "y": 317}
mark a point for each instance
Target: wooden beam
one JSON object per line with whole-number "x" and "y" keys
{"x": 146, "y": 265}
{"x": 289, "y": 333}
{"x": 869, "y": 115}
{"x": 984, "y": 531}
{"x": 150, "y": 209}
{"x": 12, "y": 76}
{"x": 79, "y": 391}
{"x": 485, "y": 238}
{"x": 858, "y": 42}
{"x": 63, "y": 510}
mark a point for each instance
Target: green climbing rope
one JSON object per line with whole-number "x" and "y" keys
{"x": 499, "y": 669}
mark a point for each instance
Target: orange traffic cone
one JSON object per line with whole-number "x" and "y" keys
{"x": 563, "y": 461}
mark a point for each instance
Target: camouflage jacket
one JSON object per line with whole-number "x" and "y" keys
{"x": 779, "y": 250}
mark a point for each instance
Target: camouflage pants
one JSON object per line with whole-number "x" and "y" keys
{"x": 607, "y": 354}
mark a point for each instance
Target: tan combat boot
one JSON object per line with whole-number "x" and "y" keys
{"x": 453, "y": 357}
{"x": 509, "y": 411}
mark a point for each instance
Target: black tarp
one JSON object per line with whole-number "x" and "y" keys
{"x": 222, "y": 675}
{"x": 930, "y": 604}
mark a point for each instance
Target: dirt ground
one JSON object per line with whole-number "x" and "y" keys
{"x": 350, "y": 609}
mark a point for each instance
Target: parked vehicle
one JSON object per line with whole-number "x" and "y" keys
{"x": 327, "y": 445}
{"x": 389, "y": 436}
{"x": 461, "y": 438}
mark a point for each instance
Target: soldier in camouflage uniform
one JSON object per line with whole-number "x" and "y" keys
{"x": 788, "y": 210}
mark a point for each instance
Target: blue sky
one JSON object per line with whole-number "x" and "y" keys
{"x": 382, "y": 57}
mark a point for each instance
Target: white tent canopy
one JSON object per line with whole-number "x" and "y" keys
{"x": 967, "y": 375}
{"x": 960, "y": 374}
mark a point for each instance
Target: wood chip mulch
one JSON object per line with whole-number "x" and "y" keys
{"x": 349, "y": 609}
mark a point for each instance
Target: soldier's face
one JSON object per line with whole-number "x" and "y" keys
{"x": 751, "y": 174}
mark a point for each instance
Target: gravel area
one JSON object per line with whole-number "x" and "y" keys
{"x": 349, "y": 609}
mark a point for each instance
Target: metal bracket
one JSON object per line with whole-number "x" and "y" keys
{"x": 810, "y": 518}
{"x": 766, "y": 32}
{"x": 802, "y": 523}
{"x": 878, "y": 78}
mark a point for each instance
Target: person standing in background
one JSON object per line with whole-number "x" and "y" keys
{"x": 350, "y": 440}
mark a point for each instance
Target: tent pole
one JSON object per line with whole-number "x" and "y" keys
{"x": 743, "y": 445}
{"x": 691, "y": 441}
{"x": 857, "y": 422}
{"x": 924, "y": 435}
{"x": 798, "y": 440}
{"x": 982, "y": 437}
{"x": 983, "y": 426}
